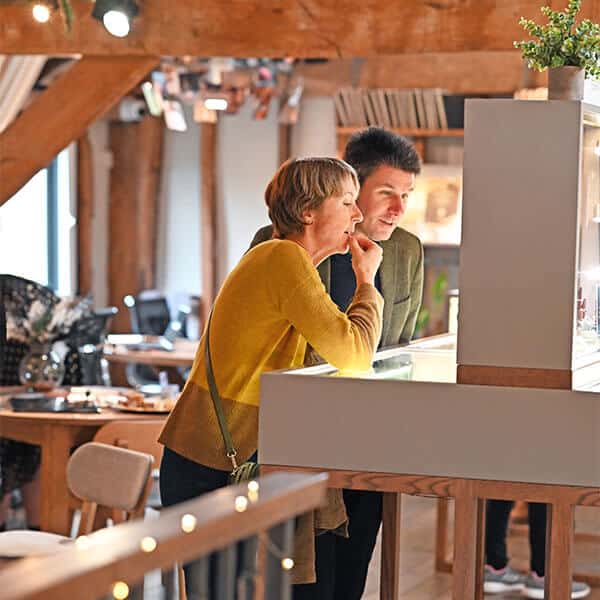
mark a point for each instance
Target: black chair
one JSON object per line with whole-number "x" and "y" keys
{"x": 150, "y": 315}
{"x": 84, "y": 362}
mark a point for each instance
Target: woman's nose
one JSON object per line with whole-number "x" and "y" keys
{"x": 357, "y": 217}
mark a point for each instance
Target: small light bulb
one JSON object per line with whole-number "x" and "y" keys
{"x": 41, "y": 13}
{"x": 241, "y": 503}
{"x": 253, "y": 486}
{"x": 188, "y": 523}
{"x": 148, "y": 544}
{"x": 116, "y": 23}
{"x": 120, "y": 590}
{"x": 287, "y": 563}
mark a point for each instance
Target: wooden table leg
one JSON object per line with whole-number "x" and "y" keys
{"x": 390, "y": 547}
{"x": 55, "y": 512}
{"x": 559, "y": 551}
{"x": 468, "y": 544}
{"x": 442, "y": 563}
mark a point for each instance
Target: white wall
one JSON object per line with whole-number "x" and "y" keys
{"x": 247, "y": 155}
{"x": 314, "y": 134}
{"x": 179, "y": 248}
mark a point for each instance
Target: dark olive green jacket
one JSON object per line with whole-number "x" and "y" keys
{"x": 401, "y": 274}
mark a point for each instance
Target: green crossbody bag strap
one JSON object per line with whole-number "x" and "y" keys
{"x": 216, "y": 399}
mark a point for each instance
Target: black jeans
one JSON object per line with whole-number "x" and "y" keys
{"x": 496, "y": 527}
{"x": 342, "y": 563}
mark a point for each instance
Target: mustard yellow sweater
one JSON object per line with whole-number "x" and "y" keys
{"x": 269, "y": 307}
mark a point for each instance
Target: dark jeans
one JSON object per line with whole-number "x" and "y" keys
{"x": 496, "y": 527}
{"x": 342, "y": 563}
{"x": 182, "y": 479}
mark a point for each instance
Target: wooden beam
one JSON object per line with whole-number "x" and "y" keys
{"x": 85, "y": 215}
{"x": 284, "y": 142}
{"x": 328, "y": 28}
{"x": 62, "y": 113}
{"x": 133, "y": 211}
{"x": 208, "y": 215}
{"x": 458, "y": 72}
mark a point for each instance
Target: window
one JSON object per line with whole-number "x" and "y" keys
{"x": 37, "y": 234}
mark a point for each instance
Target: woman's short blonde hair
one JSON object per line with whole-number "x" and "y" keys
{"x": 302, "y": 184}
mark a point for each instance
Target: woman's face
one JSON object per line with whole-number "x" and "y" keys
{"x": 332, "y": 223}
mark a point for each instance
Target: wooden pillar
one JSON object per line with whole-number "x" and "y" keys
{"x": 285, "y": 142}
{"x": 133, "y": 210}
{"x": 85, "y": 215}
{"x": 208, "y": 215}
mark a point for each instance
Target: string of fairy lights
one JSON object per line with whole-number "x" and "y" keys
{"x": 188, "y": 522}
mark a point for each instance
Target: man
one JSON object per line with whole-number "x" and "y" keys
{"x": 387, "y": 165}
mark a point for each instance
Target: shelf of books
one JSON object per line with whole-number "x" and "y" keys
{"x": 410, "y": 112}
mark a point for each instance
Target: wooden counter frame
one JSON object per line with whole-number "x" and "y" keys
{"x": 469, "y": 495}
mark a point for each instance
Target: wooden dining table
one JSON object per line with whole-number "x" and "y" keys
{"x": 182, "y": 354}
{"x": 57, "y": 434}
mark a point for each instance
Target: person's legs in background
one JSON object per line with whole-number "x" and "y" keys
{"x": 534, "y": 584}
{"x": 499, "y": 577}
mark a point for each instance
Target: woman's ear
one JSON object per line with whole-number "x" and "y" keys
{"x": 308, "y": 217}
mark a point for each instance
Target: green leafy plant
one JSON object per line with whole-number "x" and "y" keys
{"x": 562, "y": 42}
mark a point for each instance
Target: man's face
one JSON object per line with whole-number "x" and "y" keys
{"x": 382, "y": 200}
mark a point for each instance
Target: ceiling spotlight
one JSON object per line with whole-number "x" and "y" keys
{"x": 116, "y": 15}
{"x": 41, "y": 13}
{"x": 216, "y": 104}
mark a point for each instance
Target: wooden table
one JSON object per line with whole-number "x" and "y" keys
{"x": 181, "y": 356}
{"x": 57, "y": 434}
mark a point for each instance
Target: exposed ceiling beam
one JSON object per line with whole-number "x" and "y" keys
{"x": 459, "y": 73}
{"x": 62, "y": 113}
{"x": 301, "y": 28}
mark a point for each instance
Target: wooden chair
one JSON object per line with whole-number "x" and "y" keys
{"x": 141, "y": 436}
{"x": 99, "y": 475}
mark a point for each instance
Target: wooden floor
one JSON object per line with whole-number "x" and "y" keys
{"x": 419, "y": 580}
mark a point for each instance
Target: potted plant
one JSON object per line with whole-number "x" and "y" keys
{"x": 570, "y": 50}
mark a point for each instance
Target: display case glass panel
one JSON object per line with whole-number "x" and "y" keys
{"x": 432, "y": 360}
{"x": 586, "y": 343}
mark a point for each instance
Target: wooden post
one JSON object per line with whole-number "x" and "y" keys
{"x": 85, "y": 215}
{"x": 134, "y": 186}
{"x": 285, "y": 142}
{"x": 208, "y": 200}
{"x": 390, "y": 547}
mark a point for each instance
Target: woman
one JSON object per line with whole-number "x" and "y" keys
{"x": 270, "y": 306}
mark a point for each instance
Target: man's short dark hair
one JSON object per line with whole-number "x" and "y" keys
{"x": 374, "y": 147}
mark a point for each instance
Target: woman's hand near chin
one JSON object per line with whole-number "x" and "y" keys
{"x": 366, "y": 258}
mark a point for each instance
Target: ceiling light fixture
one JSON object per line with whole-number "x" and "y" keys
{"x": 116, "y": 15}
{"x": 41, "y": 13}
{"x": 216, "y": 104}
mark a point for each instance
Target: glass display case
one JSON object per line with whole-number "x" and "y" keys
{"x": 530, "y": 253}
{"x": 586, "y": 344}
{"x": 429, "y": 359}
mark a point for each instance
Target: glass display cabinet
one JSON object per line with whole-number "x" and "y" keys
{"x": 530, "y": 252}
